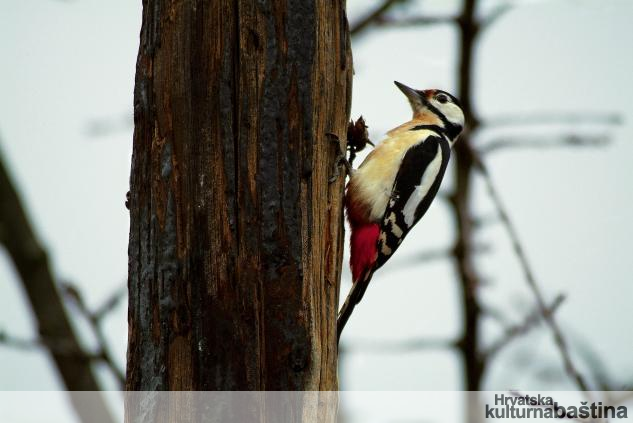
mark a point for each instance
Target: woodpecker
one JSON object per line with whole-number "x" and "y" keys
{"x": 395, "y": 185}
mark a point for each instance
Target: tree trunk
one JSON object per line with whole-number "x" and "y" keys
{"x": 236, "y": 236}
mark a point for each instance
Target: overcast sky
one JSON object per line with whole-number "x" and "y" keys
{"x": 69, "y": 64}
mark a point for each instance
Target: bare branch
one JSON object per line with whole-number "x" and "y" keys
{"x": 493, "y": 313}
{"x": 31, "y": 262}
{"x": 378, "y": 17}
{"x": 484, "y": 220}
{"x": 108, "y": 126}
{"x": 373, "y": 16}
{"x": 58, "y": 346}
{"x": 595, "y": 364}
{"x": 443, "y": 253}
{"x": 430, "y": 255}
{"x": 529, "y": 276}
{"x": 495, "y": 15}
{"x": 19, "y": 343}
{"x": 110, "y": 303}
{"x": 63, "y": 347}
{"x": 397, "y": 346}
{"x": 103, "y": 350}
{"x": 568, "y": 140}
{"x": 414, "y": 21}
{"x": 553, "y": 118}
{"x": 515, "y": 331}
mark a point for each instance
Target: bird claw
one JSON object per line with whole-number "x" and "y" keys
{"x": 340, "y": 159}
{"x": 357, "y": 140}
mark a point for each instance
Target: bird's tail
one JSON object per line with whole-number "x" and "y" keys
{"x": 355, "y": 295}
{"x": 362, "y": 259}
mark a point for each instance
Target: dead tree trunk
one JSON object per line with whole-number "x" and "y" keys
{"x": 236, "y": 236}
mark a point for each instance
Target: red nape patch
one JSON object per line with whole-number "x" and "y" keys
{"x": 363, "y": 248}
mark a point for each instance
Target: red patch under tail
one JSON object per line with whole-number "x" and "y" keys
{"x": 363, "y": 248}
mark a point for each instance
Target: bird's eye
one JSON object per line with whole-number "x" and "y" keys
{"x": 442, "y": 98}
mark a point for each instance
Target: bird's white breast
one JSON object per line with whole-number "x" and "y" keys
{"x": 374, "y": 179}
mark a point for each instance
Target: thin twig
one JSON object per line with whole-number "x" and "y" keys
{"x": 431, "y": 255}
{"x": 444, "y": 253}
{"x": 554, "y": 118}
{"x": 497, "y": 13}
{"x": 398, "y": 346}
{"x": 414, "y": 21}
{"x": 57, "y": 346}
{"x": 562, "y": 141}
{"x": 24, "y": 344}
{"x": 110, "y": 303}
{"x": 94, "y": 319}
{"x": 372, "y": 16}
{"x": 594, "y": 363}
{"x": 108, "y": 126}
{"x": 515, "y": 331}
{"x": 484, "y": 220}
{"x": 529, "y": 275}
{"x": 493, "y": 313}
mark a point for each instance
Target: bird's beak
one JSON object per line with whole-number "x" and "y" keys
{"x": 412, "y": 95}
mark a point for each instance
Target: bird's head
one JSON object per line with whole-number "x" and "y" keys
{"x": 435, "y": 106}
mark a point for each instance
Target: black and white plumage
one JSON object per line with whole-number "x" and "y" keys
{"x": 395, "y": 185}
{"x": 415, "y": 187}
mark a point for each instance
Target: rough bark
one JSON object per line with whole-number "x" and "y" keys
{"x": 236, "y": 236}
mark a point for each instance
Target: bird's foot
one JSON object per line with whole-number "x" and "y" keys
{"x": 340, "y": 159}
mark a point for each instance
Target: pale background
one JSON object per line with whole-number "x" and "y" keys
{"x": 68, "y": 69}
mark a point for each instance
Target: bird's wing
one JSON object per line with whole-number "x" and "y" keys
{"x": 414, "y": 188}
